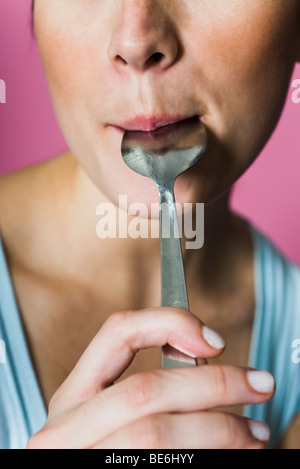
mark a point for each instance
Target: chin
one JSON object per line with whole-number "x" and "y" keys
{"x": 144, "y": 194}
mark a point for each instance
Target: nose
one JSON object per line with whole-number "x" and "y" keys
{"x": 143, "y": 37}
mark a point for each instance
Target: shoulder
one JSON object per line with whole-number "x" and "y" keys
{"x": 25, "y": 202}
{"x": 277, "y": 285}
{"x": 20, "y": 194}
{"x": 269, "y": 254}
{"x": 21, "y": 190}
{"x": 275, "y": 330}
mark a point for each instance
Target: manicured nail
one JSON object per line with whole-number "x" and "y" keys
{"x": 261, "y": 381}
{"x": 259, "y": 430}
{"x": 213, "y": 338}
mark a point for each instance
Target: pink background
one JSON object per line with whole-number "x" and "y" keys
{"x": 267, "y": 194}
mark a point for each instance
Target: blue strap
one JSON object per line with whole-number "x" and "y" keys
{"x": 276, "y": 325}
{"x": 18, "y": 379}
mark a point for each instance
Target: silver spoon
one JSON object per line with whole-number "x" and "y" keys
{"x": 162, "y": 155}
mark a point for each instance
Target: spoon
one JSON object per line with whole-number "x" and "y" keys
{"x": 162, "y": 155}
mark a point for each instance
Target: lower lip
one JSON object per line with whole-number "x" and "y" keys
{"x": 146, "y": 125}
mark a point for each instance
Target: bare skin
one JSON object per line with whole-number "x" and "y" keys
{"x": 43, "y": 270}
{"x": 66, "y": 297}
{"x": 71, "y": 286}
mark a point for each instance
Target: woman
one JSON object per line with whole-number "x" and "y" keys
{"x": 87, "y": 306}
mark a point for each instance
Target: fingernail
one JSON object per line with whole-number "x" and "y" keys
{"x": 261, "y": 381}
{"x": 213, "y": 338}
{"x": 259, "y": 430}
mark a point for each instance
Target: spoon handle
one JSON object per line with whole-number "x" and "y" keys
{"x": 173, "y": 286}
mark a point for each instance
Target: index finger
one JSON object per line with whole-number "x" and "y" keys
{"x": 122, "y": 335}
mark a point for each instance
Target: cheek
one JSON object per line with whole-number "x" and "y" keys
{"x": 71, "y": 49}
{"x": 69, "y": 62}
{"x": 64, "y": 64}
{"x": 246, "y": 66}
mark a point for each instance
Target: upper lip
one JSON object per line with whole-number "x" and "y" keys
{"x": 149, "y": 123}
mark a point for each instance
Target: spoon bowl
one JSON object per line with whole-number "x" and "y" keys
{"x": 165, "y": 153}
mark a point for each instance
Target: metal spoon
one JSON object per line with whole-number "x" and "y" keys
{"x": 162, "y": 155}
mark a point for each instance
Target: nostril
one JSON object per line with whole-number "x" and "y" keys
{"x": 152, "y": 60}
{"x": 156, "y": 57}
{"x": 118, "y": 58}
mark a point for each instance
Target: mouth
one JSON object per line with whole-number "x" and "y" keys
{"x": 148, "y": 124}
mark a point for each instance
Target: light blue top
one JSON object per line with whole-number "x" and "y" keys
{"x": 276, "y": 326}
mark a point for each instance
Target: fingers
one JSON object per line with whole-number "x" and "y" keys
{"x": 158, "y": 392}
{"x": 204, "y": 430}
{"x": 126, "y": 332}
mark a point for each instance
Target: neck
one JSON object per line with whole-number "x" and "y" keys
{"x": 135, "y": 262}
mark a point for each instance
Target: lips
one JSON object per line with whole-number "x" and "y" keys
{"x": 148, "y": 124}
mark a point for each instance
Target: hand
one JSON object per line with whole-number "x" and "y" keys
{"x": 155, "y": 409}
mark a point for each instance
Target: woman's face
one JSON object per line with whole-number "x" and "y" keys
{"x": 110, "y": 61}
